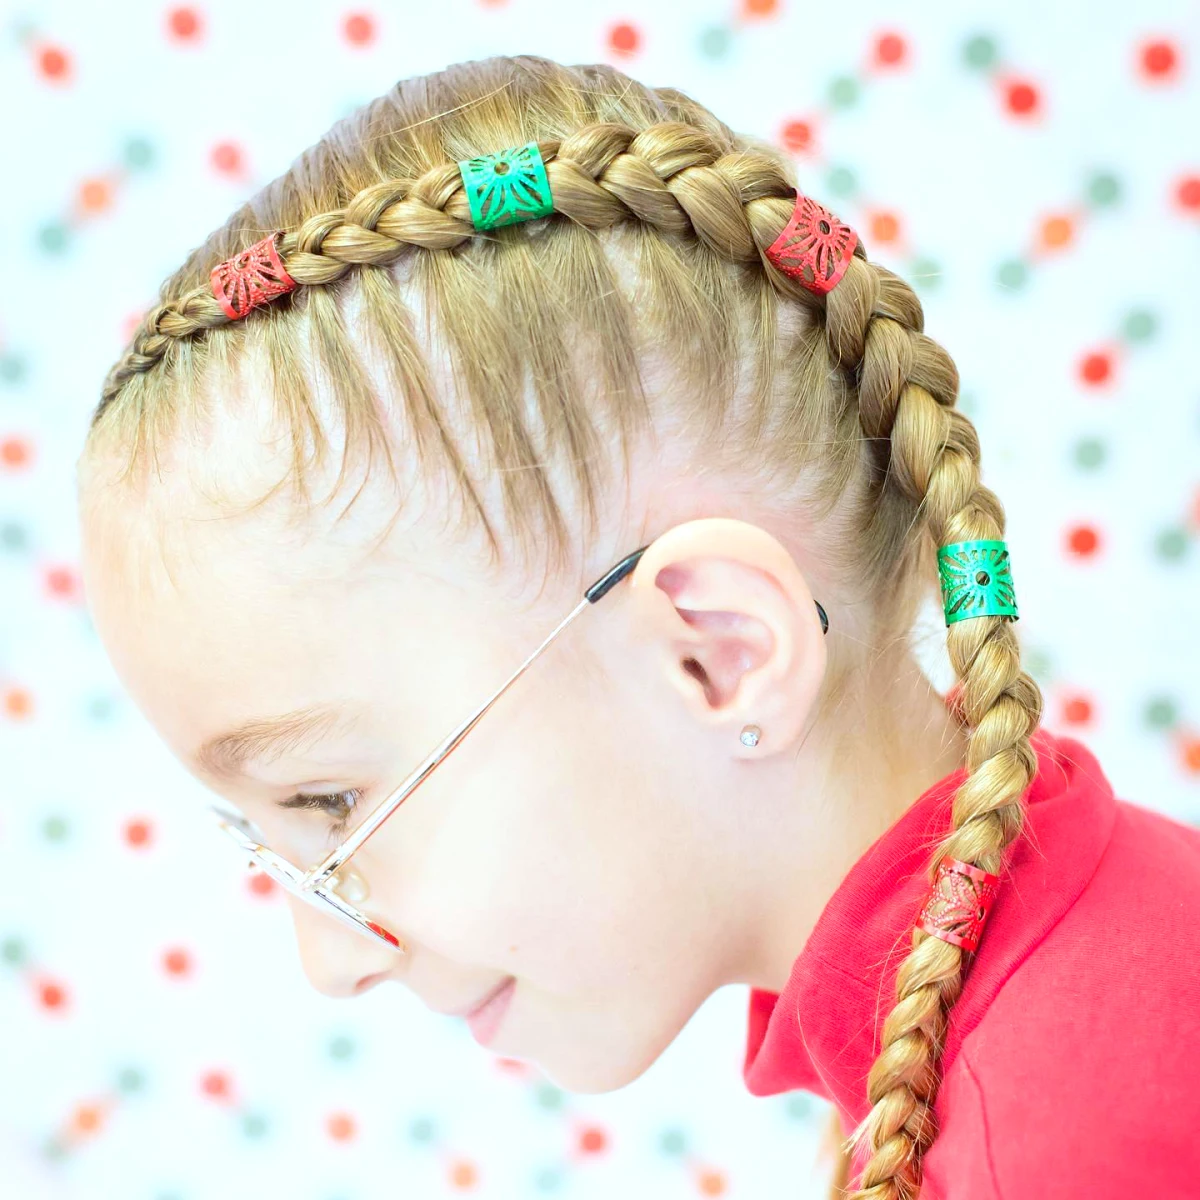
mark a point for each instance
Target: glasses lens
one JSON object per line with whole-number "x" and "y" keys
{"x": 249, "y": 839}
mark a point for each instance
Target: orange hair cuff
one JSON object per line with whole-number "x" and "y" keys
{"x": 253, "y": 277}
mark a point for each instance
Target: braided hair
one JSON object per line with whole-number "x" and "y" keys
{"x": 849, "y": 418}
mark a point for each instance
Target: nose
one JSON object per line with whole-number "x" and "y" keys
{"x": 337, "y": 961}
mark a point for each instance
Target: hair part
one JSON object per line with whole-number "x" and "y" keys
{"x": 835, "y": 410}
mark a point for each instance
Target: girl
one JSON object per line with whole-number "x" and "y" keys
{"x": 507, "y": 326}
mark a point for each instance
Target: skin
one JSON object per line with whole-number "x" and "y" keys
{"x": 601, "y": 835}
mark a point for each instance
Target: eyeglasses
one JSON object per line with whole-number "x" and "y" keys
{"x": 322, "y": 884}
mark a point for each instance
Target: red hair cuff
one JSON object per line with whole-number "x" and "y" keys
{"x": 958, "y": 903}
{"x": 814, "y": 248}
{"x": 250, "y": 278}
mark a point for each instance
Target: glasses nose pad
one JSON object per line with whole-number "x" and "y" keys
{"x": 350, "y": 885}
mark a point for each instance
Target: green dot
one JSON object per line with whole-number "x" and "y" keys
{"x": 925, "y": 274}
{"x": 53, "y": 1150}
{"x": 342, "y": 1047}
{"x": 101, "y": 708}
{"x": 1012, "y": 275}
{"x": 843, "y": 92}
{"x": 53, "y": 237}
{"x": 139, "y": 153}
{"x": 715, "y": 42}
{"x": 422, "y": 1129}
{"x": 980, "y": 51}
{"x": 13, "y": 951}
{"x": 254, "y": 1125}
{"x": 130, "y": 1079}
{"x": 1140, "y": 325}
{"x": 1161, "y": 713}
{"x": 1104, "y": 188}
{"x": 169, "y": 1196}
{"x": 548, "y": 1096}
{"x": 1171, "y": 544}
{"x": 967, "y": 404}
{"x": 798, "y": 1106}
{"x": 548, "y": 1179}
{"x": 55, "y": 829}
{"x": 673, "y": 1142}
{"x": 841, "y": 182}
{"x": 1037, "y": 662}
{"x": 12, "y": 368}
{"x": 13, "y": 536}
{"x": 1090, "y": 452}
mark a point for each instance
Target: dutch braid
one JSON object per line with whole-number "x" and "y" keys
{"x": 680, "y": 177}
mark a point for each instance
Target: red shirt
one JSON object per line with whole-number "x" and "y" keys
{"x": 1072, "y": 1063}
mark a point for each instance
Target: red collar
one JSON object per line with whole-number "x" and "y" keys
{"x": 821, "y": 1034}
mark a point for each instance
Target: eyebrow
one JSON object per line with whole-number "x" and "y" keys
{"x": 271, "y": 737}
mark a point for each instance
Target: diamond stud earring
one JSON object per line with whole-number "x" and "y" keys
{"x": 750, "y": 735}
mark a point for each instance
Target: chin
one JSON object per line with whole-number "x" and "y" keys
{"x": 601, "y": 1069}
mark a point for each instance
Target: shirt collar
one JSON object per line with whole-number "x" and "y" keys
{"x": 821, "y": 1033}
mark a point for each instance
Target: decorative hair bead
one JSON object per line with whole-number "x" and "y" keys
{"x": 976, "y": 580}
{"x": 253, "y": 277}
{"x": 958, "y": 903}
{"x": 507, "y": 187}
{"x": 814, "y": 248}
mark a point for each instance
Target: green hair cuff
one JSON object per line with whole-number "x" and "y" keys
{"x": 976, "y": 580}
{"x": 507, "y": 187}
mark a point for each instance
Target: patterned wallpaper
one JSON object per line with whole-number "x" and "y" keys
{"x": 1033, "y": 169}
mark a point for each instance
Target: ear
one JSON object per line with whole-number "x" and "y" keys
{"x": 739, "y": 632}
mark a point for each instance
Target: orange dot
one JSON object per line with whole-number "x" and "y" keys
{"x": 1191, "y": 753}
{"x": 62, "y": 581}
{"x": 890, "y": 49}
{"x": 52, "y": 995}
{"x": 183, "y": 23}
{"x": 88, "y": 1118}
{"x": 15, "y": 452}
{"x": 137, "y": 832}
{"x": 1158, "y": 59}
{"x": 1188, "y": 192}
{"x": 624, "y": 38}
{"x": 760, "y": 8}
{"x": 227, "y": 158}
{"x": 1077, "y": 710}
{"x": 261, "y": 884}
{"x": 797, "y": 136}
{"x": 711, "y": 1183}
{"x": 54, "y": 63}
{"x": 592, "y": 1141}
{"x": 215, "y": 1084}
{"x": 18, "y": 703}
{"x": 177, "y": 962}
{"x": 1022, "y": 98}
{"x": 359, "y": 29}
{"x": 1083, "y": 541}
{"x": 463, "y": 1175}
{"x": 341, "y": 1127}
{"x": 94, "y": 195}
{"x": 1057, "y": 231}
{"x": 885, "y": 227}
{"x": 1096, "y": 368}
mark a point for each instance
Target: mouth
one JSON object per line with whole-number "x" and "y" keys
{"x": 477, "y": 1008}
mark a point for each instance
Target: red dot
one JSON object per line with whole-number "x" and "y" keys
{"x": 890, "y": 50}
{"x": 62, "y": 581}
{"x": 261, "y": 884}
{"x": 341, "y": 1127}
{"x": 137, "y": 832}
{"x": 797, "y": 136}
{"x": 624, "y": 38}
{"x": 177, "y": 962}
{"x": 1095, "y": 368}
{"x": 359, "y": 29}
{"x": 885, "y": 227}
{"x": 54, "y": 63}
{"x": 1022, "y": 98}
{"x": 760, "y": 8}
{"x": 227, "y": 158}
{"x": 1159, "y": 59}
{"x": 183, "y": 23}
{"x": 52, "y": 995}
{"x": 18, "y": 703}
{"x": 1188, "y": 192}
{"x": 1082, "y": 541}
{"x": 1077, "y": 710}
{"x": 215, "y": 1084}
{"x": 592, "y": 1140}
{"x": 15, "y": 452}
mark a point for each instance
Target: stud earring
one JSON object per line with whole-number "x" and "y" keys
{"x": 750, "y": 735}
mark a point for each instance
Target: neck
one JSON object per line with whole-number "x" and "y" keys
{"x": 835, "y": 798}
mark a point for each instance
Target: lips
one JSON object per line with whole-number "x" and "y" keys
{"x": 477, "y": 1007}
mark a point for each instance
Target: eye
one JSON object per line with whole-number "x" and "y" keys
{"x": 340, "y": 806}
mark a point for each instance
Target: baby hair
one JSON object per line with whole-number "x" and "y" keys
{"x": 657, "y": 243}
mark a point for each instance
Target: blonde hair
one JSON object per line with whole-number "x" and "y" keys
{"x": 855, "y": 399}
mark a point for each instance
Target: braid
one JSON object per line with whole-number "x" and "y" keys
{"x": 907, "y": 389}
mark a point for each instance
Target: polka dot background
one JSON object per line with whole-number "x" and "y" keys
{"x": 1033, "y": 169}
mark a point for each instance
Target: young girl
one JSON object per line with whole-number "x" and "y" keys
{"x": 512, "y": 324}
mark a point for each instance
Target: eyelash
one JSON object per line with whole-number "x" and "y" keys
{"x": 334, "y": 804}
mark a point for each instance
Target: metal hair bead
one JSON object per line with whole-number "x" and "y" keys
{"x": 976, "y": 579}
{"x": 507, "y": 187}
